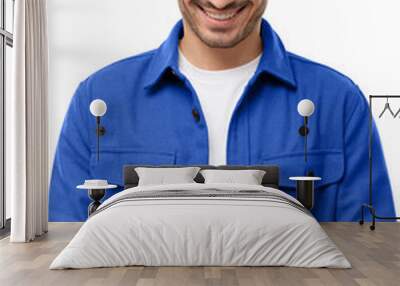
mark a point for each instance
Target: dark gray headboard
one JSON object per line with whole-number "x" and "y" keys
{"x": 271, "y": 177}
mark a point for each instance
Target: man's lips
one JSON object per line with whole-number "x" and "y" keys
{"x": 222, "y": 15}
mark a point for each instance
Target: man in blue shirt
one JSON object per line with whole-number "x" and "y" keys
{"x": 155, "y": 114}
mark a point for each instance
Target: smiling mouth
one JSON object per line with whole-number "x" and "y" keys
{"x": 222, "y": 15}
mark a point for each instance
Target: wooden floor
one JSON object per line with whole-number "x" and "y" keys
{"x": 375, "y": 257}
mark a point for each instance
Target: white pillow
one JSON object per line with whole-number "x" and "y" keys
{"x": 248, "y": 177}
{"x": 163, "y": 176}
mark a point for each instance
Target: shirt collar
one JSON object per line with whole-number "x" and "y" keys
{"x": 274, "y": 60}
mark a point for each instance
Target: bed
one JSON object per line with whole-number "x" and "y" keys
{"x": 201, "y": 224}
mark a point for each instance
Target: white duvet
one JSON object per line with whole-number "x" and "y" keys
{"x": 183, "y": 231}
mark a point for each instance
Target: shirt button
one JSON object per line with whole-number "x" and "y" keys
{"x": 196, "y": 115}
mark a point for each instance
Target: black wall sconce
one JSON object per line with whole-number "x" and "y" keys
{"x": 305, "y": 108}
{"x": 98, "y": 108}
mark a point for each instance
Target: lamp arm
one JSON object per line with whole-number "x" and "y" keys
{"x": 98, "y": 137}
{"x": 305, "y": 137}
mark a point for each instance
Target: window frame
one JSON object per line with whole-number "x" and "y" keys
{"x": 6, "y": 39}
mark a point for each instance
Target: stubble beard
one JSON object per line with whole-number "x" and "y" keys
{"x": 220, "y": 43}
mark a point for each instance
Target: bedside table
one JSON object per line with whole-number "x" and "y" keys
{"x": 96, "y": 190}
{"x": 305, "y": 190}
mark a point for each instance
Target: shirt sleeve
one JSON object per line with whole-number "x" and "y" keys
{"x": 354, "y": 189}
{"x": 71, "y": 163}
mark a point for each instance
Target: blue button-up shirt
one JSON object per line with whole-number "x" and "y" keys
{"x": 150, "y": 121}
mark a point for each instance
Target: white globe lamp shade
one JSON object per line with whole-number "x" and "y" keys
{"x": 306, "y": 108}
{"x": 98, "y": 107}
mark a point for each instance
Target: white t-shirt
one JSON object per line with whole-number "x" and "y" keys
{"x": 218, "y": 93}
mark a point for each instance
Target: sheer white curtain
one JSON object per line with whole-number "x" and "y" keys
{"x": 26, "y": 117}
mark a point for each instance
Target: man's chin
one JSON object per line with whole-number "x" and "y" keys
{"x": 219, "y": 40}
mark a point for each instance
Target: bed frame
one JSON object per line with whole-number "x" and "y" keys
{"x": 270, "y": 179}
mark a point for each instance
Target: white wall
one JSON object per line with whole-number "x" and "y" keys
{"x": 358, "y": 37}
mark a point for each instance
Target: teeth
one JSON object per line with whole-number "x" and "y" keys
{"x": 220, "y": 17}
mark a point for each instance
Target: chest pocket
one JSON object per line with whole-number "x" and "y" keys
{"x": 327, "y": 164}
{"x": 112, "y": 161}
